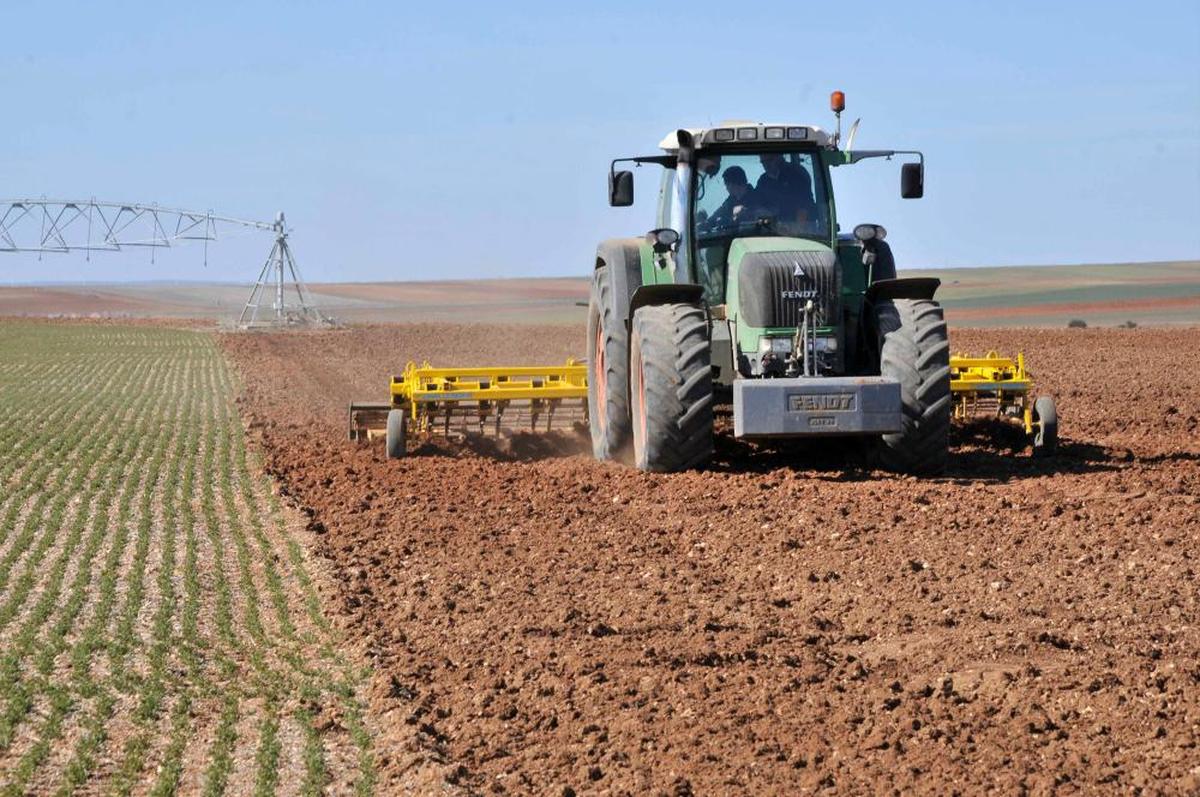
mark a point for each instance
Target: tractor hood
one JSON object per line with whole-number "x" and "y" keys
{"x": 772, "y": 279}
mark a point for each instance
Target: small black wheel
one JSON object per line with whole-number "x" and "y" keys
{"x": 1045, "y": 427}
{"x": 397, "y": 434}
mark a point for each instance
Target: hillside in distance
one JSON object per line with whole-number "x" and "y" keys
{"x": 1147, "y": 294}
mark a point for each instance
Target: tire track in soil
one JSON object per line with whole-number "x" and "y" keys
{"x": 785, "y": 620}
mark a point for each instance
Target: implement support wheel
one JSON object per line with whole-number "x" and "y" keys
{"x": 397, "y": 434}
{"x": 1045, "y": 427}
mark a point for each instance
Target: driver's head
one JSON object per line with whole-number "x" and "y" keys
{"x": 735, "y": 181}
{"x": 771, "y": 162}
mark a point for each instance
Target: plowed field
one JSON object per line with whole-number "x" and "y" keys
{"x": 787, "y": 620}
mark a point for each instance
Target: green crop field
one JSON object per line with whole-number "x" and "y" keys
{"x": 160, "y": 628}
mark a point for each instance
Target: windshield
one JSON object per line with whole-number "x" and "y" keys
{"x": 752, "y": 194}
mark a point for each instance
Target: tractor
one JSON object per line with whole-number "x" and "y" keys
{"x": 748, "y": 293}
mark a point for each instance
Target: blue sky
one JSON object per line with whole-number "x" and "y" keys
{"x": 422, "y": 141}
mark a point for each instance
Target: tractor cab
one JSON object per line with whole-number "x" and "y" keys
{"x": 753, "y": 193}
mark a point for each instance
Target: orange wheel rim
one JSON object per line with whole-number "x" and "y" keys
{"x": 600, "y": 377}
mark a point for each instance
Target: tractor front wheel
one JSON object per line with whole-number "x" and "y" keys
{"x": 915, "y": 351}
{"x": 671, "y": 389}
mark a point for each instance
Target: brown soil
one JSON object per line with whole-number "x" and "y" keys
{"x": 783, "y": 621}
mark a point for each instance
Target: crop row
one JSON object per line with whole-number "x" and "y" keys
{"x": 156, "y": 611}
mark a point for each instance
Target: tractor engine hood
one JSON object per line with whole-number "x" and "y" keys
{"x": 772, "y": 279}
{"x": 775, "y": 277}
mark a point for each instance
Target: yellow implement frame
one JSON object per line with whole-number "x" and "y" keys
{"x": 992, "y": 385}
{"x": 480, "y": 400}
{"x": 427, "y": 392}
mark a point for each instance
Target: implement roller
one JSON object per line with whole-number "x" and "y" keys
{"x": 996, "y": 386}
{"x": 449, "y": 401}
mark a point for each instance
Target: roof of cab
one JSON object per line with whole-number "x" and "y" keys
{"x": 705, "y": 136}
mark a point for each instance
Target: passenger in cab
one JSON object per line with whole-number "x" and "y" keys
{"x": 785, "y": 189}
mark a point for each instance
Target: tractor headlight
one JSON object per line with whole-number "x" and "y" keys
{"x": 775, "y": 345}
{"x": 870, "y": 232}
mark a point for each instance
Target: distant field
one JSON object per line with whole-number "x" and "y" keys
{"x": 1101, "y": 295}
{"x": 1104, "y": 295}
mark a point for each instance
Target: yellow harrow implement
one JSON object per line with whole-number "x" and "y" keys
{"x": 428, "y": 400}
{"x": 995, "y": 386}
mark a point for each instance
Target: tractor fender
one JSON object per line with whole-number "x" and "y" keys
{"x": 624, "y": 260}
{"x": 667, "y": 293}
{"x": 903, "y": 288}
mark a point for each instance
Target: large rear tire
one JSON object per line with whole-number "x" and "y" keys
{"x": 914, "y": 349}
{"x": 670, "y": 366}
{"x": 608, "y": 372}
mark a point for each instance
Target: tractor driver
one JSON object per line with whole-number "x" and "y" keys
{"x": 741, "y": 196}
{"x": 785, "y": 189}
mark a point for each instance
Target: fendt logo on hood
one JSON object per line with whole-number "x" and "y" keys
{"x": 807, "y": 293}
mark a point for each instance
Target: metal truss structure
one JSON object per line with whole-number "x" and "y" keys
{"x": 61, "y": 226}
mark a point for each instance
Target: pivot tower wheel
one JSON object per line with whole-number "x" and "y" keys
{"x": 671, "y": 389}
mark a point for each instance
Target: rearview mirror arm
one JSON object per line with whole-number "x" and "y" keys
{"x": 666, "y": 161}
{"x": 855, "y": 157}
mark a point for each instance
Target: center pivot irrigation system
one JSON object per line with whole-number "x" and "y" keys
{"x": 60, "y": 226}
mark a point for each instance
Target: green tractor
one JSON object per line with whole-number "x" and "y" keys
{"x": 747, "y": 293}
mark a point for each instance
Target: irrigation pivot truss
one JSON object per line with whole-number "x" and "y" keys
{"x": 61, "y": 226}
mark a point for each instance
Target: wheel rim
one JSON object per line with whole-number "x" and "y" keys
{"x": 640, "y": 438}
{"x": 600, "y": 378}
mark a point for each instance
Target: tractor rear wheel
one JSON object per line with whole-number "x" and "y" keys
{"x": 608, "y": 371}
{"x": 397, "y": 434}
{"x": 915, "y": 351}
{"x": 1045, "y": 427}
{"x": 670, "y": 366}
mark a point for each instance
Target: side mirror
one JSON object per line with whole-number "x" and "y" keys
{"x": 912, "y": 181}
{"x": 620, "y": 189}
